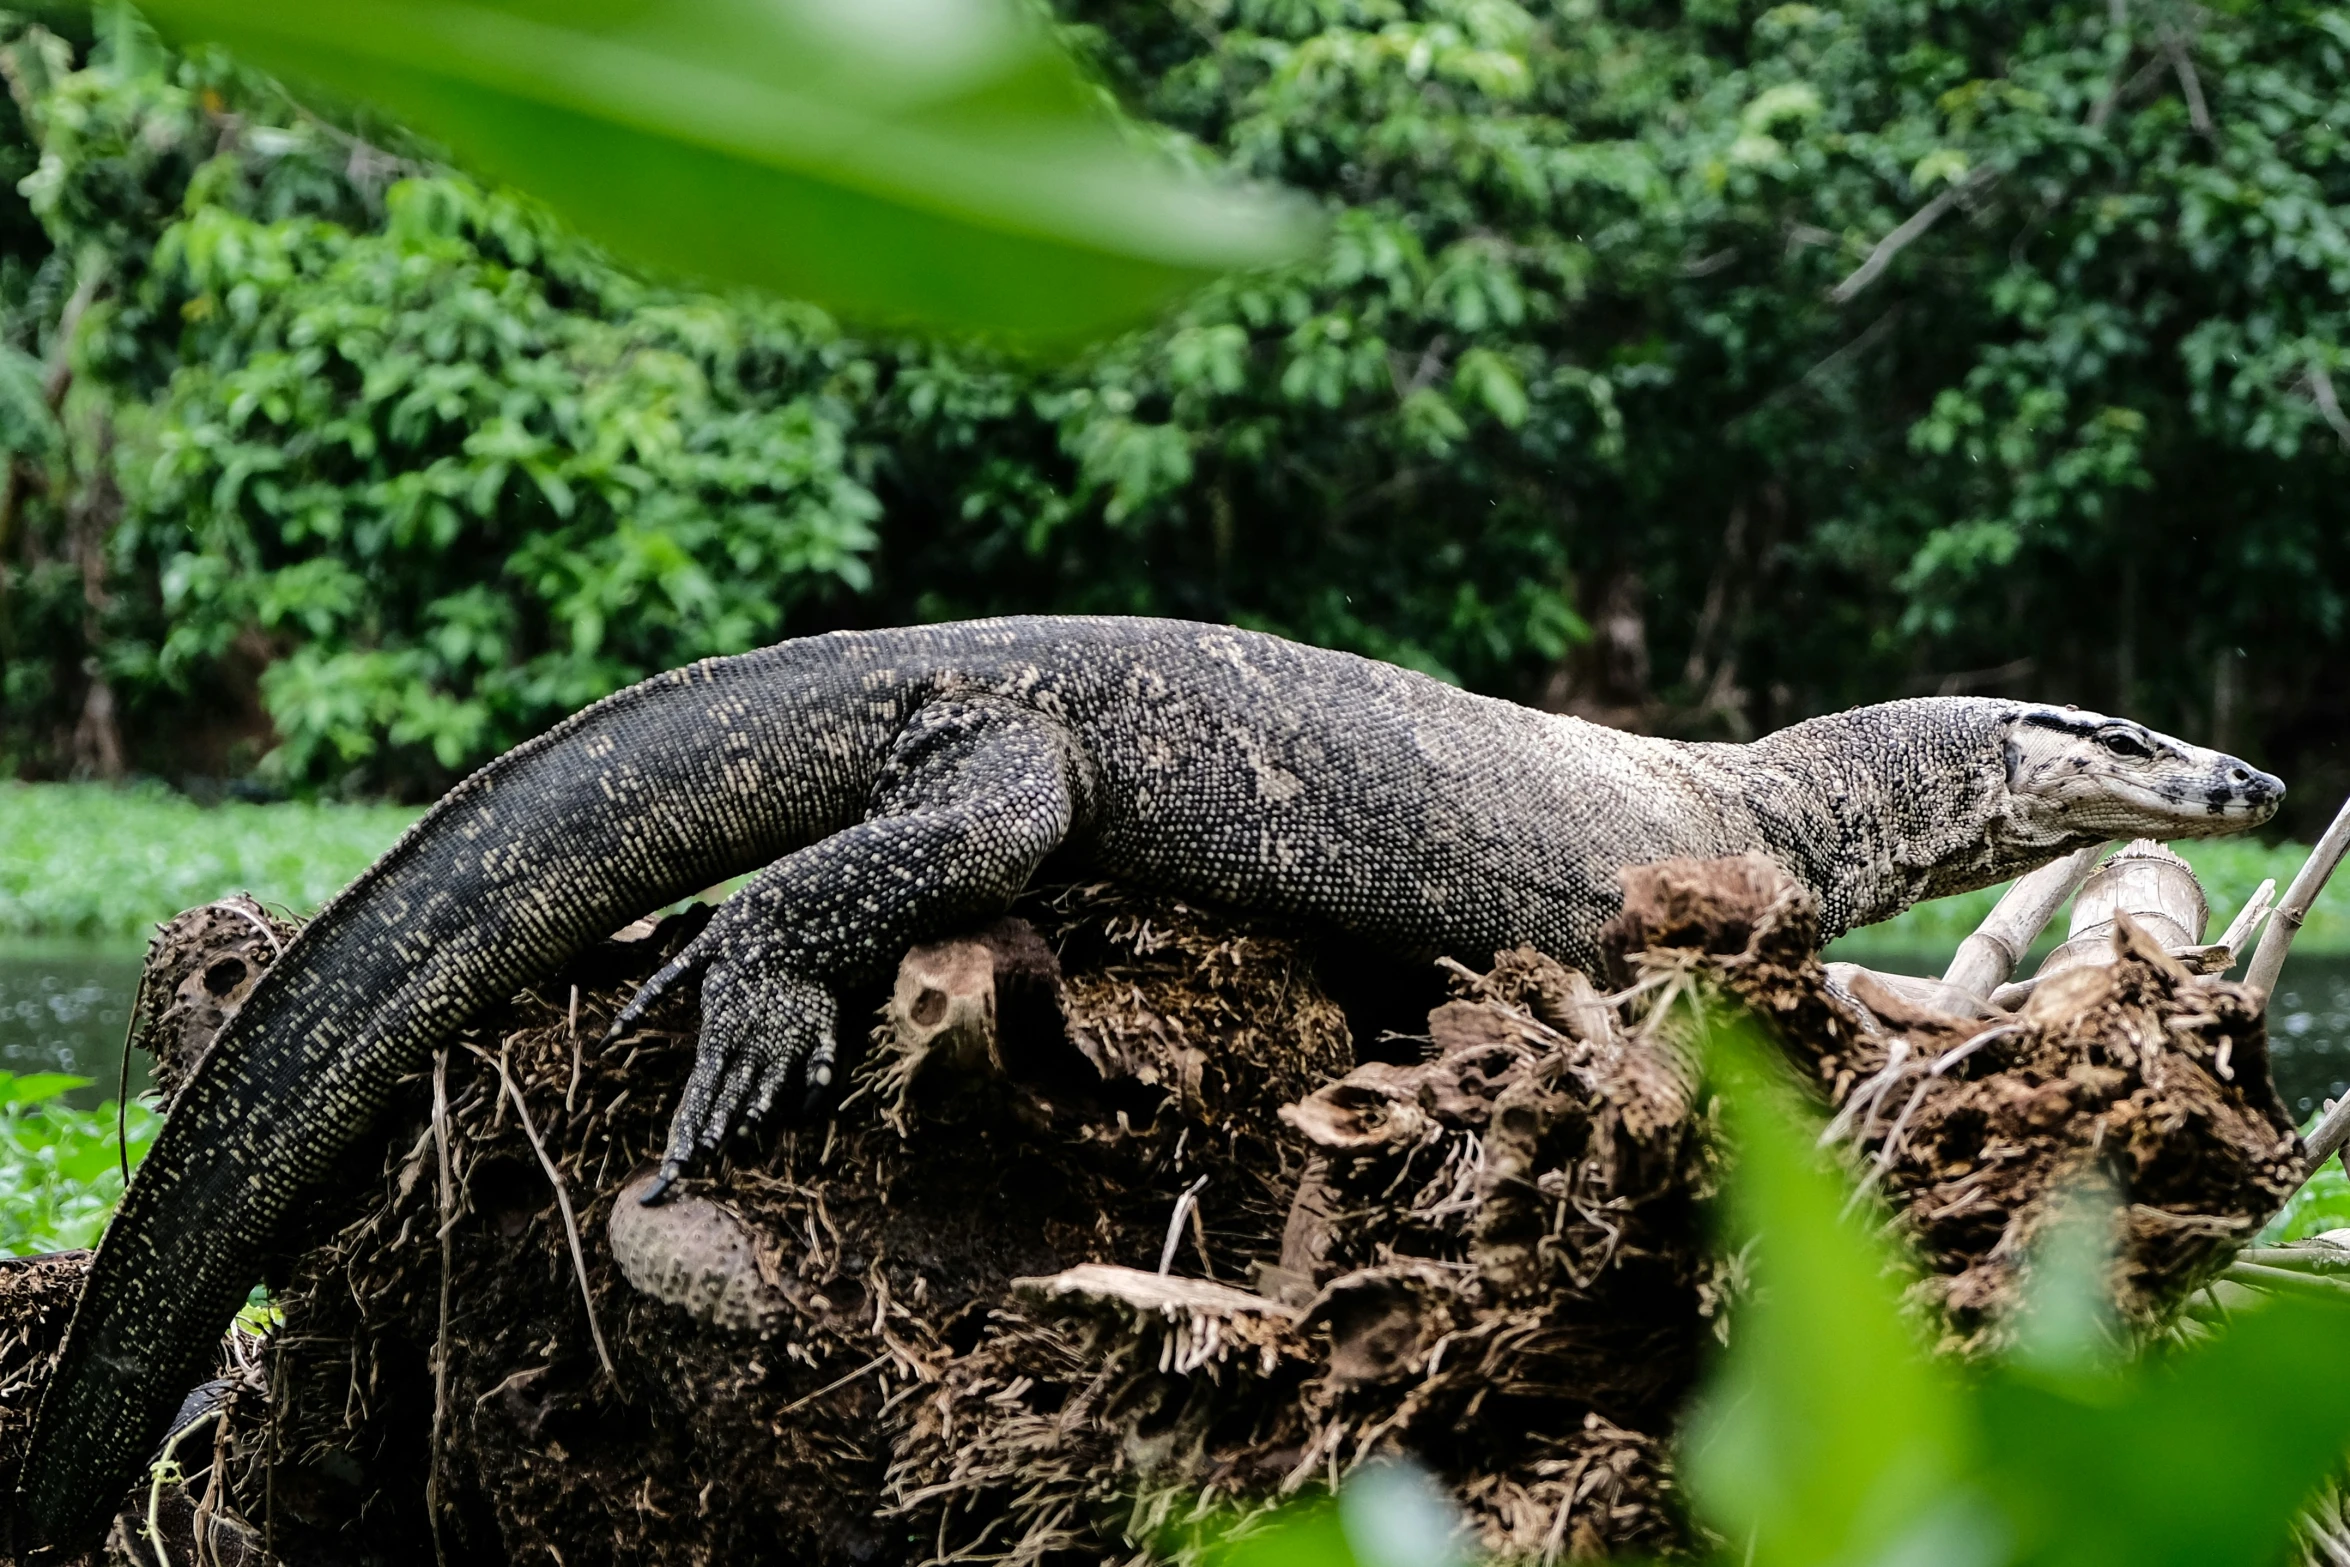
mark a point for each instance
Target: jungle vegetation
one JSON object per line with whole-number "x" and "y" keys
{"x": 1694, "y": 366}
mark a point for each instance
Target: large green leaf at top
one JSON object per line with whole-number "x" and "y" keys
{"x": 938, "y": 162}
{"x": 1828, "y": 1438}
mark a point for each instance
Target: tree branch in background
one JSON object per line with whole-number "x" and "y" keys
{"x": 2182, "y": 63}
{"x": 2329, "y": 407}
{"x": 2115, "y": 94}
{"x": 56, "y": 381}
{"x": 1899, "y": 240}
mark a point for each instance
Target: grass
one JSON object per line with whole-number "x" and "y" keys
{"x": 95, "y": 863}
{"x": 2229, "y": 868}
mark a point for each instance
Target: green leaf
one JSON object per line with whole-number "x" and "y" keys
{"x": 1828, "y": 1437}
{"x": 1307, "y": 1535}
{"x": 2204, "y": 1459}
{"x": 35, "y": 1087}
{"x": 935, "y": 161}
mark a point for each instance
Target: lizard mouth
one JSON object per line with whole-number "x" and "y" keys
{"x": 2227, "y": 797}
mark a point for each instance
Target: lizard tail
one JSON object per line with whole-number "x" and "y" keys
{"x": 634, "y": 803}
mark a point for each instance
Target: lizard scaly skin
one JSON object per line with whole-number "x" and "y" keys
{"x": 897, "y": 784}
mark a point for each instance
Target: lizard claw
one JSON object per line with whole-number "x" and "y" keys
{"x": 691, "y": 957}
{"x": 657, "y": 1189}
{"x": 760, "y": 1022}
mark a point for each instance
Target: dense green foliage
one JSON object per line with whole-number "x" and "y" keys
{"x": 99, "y": 863}
{"x": 60, "y": 1168}
{"x": 368, "y": 470}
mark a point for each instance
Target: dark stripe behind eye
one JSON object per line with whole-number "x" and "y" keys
{"x": 2085, "y": 727}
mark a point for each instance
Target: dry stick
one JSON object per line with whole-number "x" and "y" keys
{"x": 563, "y": 1201}
{"x": 1918, "y": 222}
{"x": 798, "y": 1404}
{"x": 122, "y": 1079}
{"x": 571, "y": 1027}
{"x": 2285, "y": 1280}
{"x": 2248, "y": 919}
{"x": 1985, "y": 959}
{"x": 2326, "y": 1138}
{"x": 1183, "y": 1205}
{"x": 447, "y": 1206}
{"x": 2285, "y": 923}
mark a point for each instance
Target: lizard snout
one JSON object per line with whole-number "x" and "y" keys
{"x": 2244, "y": 790}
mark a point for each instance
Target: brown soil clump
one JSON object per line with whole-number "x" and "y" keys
{"x": 2138, "y": 1072}
{"x": 36, "y": 1299}
{"x": 933, "y": 1324}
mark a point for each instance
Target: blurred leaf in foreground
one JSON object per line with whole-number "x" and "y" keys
{"x": 1828, "y": 1436}
{"x": 933, "y": 161}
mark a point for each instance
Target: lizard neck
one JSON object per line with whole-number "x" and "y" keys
{"x": 1880, "y": 807}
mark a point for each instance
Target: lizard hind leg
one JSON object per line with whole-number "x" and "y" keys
{"x": 974, "y": 794}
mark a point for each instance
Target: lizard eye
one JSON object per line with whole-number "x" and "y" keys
{"x": 2120, "y": 742}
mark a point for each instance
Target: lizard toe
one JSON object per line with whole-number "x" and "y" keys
{"x": 760, "y": 1021}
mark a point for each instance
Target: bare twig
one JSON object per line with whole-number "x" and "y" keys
{"x": 2285, "y": 923}
{"x": 571, "y": 1027}
{"x": 446, "y": 1206}
{"x": 2332, "y": 1130}
{"x": 1985, "y": 959}
{"x": 563, "y": 1201}
{"x": 867, "y": 1369}
{"x": 1183, "y": 1206}
{"x": 2248, "y": 918}
{"x": 277, "y": 948}
{"x": 2105, "y": 106}
{"x": 1918, "y": 222}
{"x": 165, "y": 1467}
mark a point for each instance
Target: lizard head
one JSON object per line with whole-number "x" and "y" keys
{"x": 1934, "y": 795}
{"x": 2080, "y": 777}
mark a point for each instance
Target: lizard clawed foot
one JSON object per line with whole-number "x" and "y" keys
{"x": 761, "y": 1023}
{"x": 694, "y": 955}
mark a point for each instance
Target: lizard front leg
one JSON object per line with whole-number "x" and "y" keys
{"x": 973, "y": 796}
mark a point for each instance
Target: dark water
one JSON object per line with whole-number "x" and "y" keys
{"x": 2309, "y": 1030}
{"x": 63, "y": 1009}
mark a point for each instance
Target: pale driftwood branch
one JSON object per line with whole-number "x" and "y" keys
{"x": 1918, "y": 222}
{"x": 2331, "y": 1131}
{"x": 1985, "y": 959}
{"x": 2248, "y": 918}
{"x": 2285, "y": 923}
